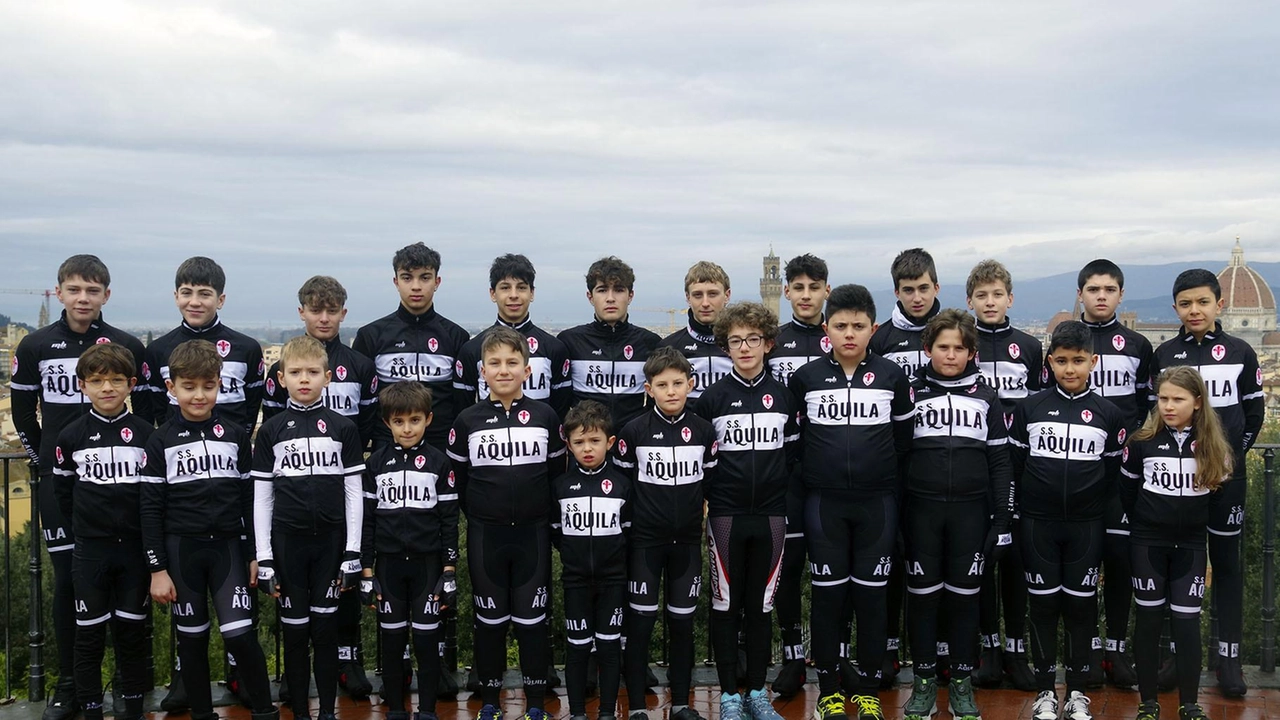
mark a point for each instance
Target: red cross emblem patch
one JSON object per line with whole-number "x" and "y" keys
{"x": 825, "y": 344}
{"x": 419, "y": 461}
{"x": 1086, "y": 415}
{"x": 224, "y": 348}
{"x": 126, "y": 434}
{"x": 321, "y": 426}
{"x": 622, "y": 447}
{"x": 218, "y": 431}
{"x": 1015, "y": 352}
{"x": 767, "y": 400}
{"x": 1117, "y": 342}
{"x": 606, "y": 486}
{"x": 102, "y": 340}
{"x": 868, "y": 378}
{"x": 533, "y": 344}
{"x": 523, "y": 416}
{"x": 627, "y": 352}
{"x": 686, "y": 434}
{"x": 433, "y": 345}
{"x": 341, "y": 372}
{"x": 1218, "y": 352}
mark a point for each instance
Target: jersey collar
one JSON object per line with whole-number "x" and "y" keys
{"x": 1188, "y": 336}
{"x": 1088, "y": 389}
{"x": 403, "y": 313}
{"x": 753, "y": 382}
{"x": 202, "y": 330}
{"x": 702, "y": 333}
{"x": 94, "y": 325}
{"x": 806, "y": 327}
{"x": 304, "y": 408}
{"x": 1105, "y": 323}
{"x": 902, "y": 321}
{"x": 668, "y": 419}
{"x": 998, "y": 329}
{"x": 526, "y": 322}
{"x": 123, "y": 414}
{"x": 330, "y": 345}
{"x": 968, "y": 379}
{"x": 594, "y": 471}
{"x": 607, "y": 329}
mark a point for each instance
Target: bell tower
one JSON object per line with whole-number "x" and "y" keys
{"x": 771, "y": 282}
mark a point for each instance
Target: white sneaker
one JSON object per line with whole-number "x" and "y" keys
{"x": 1076, "y": 707}
{"x": 1045, "y": 706}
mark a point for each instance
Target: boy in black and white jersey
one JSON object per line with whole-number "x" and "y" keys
{"x": 416, "y": 342}
{"x": 706, "y": 289}
{"x": 99, "y": 473}
{"x": 43, "y": 378}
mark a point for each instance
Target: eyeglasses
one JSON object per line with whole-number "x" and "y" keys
{"x": 99, "y": 383}
{"x": 753, "y": 341}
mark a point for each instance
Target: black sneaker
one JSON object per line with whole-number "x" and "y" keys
{"x": 353, "y": 680}
{"x": 1231, "y": 677}
{"x": 62, "y": 704}
{"x": 176, "y": 700}
{"x": 791, "y": 677}
{"x": 1149, "y": 710}
{"x": 1019, "y": 672}
{"x": 1192, "y": 711}
{"x": 990, "y": 671}
{"x": 1119, "y": 670}
{"x": 687, "y": 713}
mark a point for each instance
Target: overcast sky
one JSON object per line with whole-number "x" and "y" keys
{"x": 289, "y": 139}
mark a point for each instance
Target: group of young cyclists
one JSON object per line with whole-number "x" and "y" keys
{"x": 940, "y": 467}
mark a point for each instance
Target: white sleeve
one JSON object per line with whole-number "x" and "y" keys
{"x": 264, "y": 504}
{"x": 353, "y": 491}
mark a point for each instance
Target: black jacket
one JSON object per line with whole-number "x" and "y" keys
{"x": 410, "y": 504}
{"x": 1123, "y": 373}
{"x": 98, "y": 476}
{"x": 196, "y": 484}
{"x": 797, "y": 345}
{"x": 1011, "y": 361}
{"x": 44, "y": 377}
{"x": 591, "y": 516}
{"x": 758, "y": 439}
{"x": 697, "y": 342}
{"x": 1159, "y": 493}
{"x": 899, "y": 339}
{"x": 504, "y": 460}
{"x": 549, "y": 382}
{"x": 240, "y": 395}
{"x": 352, "y": 390}
{"x": 1066, "y": 454}
{"x": 669, "y": 460}
{"x": 607, "y": 363}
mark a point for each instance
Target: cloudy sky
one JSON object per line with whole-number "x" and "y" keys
{"x": 289, "y": 139}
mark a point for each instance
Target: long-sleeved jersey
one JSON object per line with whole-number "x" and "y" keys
{"x": 960, "y": 450}
{"x": 669, "y": 460}
{"x": 1123, "y": 373}
{"x": 797, "y": 345}
{"x": 196, "y": 484}
{"x": 1158, "y": 490}
{"x": 549, "y": 380}
{"x": 757, "y": 436}
{"x": 697, "y": 342}
{"x": 425, "y": 347}
{"x": 43, "y": 375}
{"x": 1231, "y": 373}
{"x": 1011, "y": 361}
{"x": 1066, "y": 454}
{"x": 853, "y": 429}
{"x": 504, "y": 460}
{"x": 307, "y": 466}
{"x": 591, "y": 516}
{"x": 899, "y": 339}
{"x": 411, "y": 504}
{"x": 352, "y": 390}
{"x": 240, "y": 394}
{"x": 607, "y": 364}
{"x": 98, "y": 474}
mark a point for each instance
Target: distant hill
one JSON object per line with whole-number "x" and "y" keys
{"x": 1147, "y": 289}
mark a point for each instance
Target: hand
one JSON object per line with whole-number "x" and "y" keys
{"x": 370, "y": 591}
{"x": 998, "y": 542}
{"x": 266, "y": 579}
{"x": 446, "y": 592}
{"x": 349, "y": 571}
{"x": 162, "y": 589}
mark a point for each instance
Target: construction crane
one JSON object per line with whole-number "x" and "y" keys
{"x": 674, "y": 319}
{"x": 44, "y": 308}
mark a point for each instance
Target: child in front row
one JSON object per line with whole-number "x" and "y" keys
{"x": 197, "y": 530}
{"x": 307, "y": 519}
{"x": 1172, "y": 464}
{"x": 410, "y": 545}
{"x": 591, "y": 515}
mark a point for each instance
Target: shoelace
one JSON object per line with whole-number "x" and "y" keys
{"x": 869, "y": 705}
{"x": 1045, "y": 703}
{"x": 831, "y": 704}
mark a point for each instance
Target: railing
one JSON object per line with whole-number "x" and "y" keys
{"x": 36, "y": 630}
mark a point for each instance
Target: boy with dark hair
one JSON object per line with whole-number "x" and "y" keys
{"x": 307, "y": 465}
{"x": 415, "y": 342}
{"x": 1230, "y": 370}
{"x": 591, "y": 516}
{"x": 706, "y": 290}
{"x": 1011, "y": 361}
{"x": 511, "y": 289}
{"x": 43, "y": 377}
{"x": 800, "y": 341}
{"x": 755, "y": 422}
{"x": 1123, "y": 376}
{"x": 410, "y": 545}
{"x": 667, "y": 453}
{"x": 853, "y": 404}
{"x": 505, "y": 454}
{"x": 197, "y": 528}
{"x": 607, "y": 354}
{"x": 1066, "y": 443}
{"x": 98, "y": 474}
{"x": 956, "y": 476}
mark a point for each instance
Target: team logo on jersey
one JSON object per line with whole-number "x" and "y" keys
{"x": 686, "y": 433}
{"x": 419, "y": 461}
{"x": 767, "y": 400}
{"x": 144, "y": 457}
{"x": 1086, "y": 415}
{"x": 146, "y": 369}
{"x": 126, "y": 434}
{"x": 566, "y": 367}
{"x": 218, "y": 431}
{"x": 271, "y": 386}
{"x": 13, "y": 366}
{"x": 1008, "y": 421}
{"x": 972, "y": 389}
{"x": 1044, "y": 375}
{"x": 451, "y": 480}
{"x": 1218, "y": 352}
{"x": 1117, "y": 342}
{"x": 825, "y": 344}
{"x": 606, "y": 486}
{"x": 453, "y": 436}
{"x": 533, "y": 344}
{"x": 523, "y": 416}
{"x": 101, "y": 340}
{"x": 57, "y": 451}
{"x": 1259, "y": 375}
{"x": 262, "y": 367}
{"x": 321, "y": 426}
{"x": 1124, "y": 454}
{"x": 627, "y": 352}
{"x": 433, "y": 344}
{"x": 1120, "y": 436}
{"x": 373, "y": 386}
{"x": 224, "y": 347}
{"x": 622, "y": 447}
{"x": 715, "y": 447}
{"x": 1015, "y": 352}
{"x": 911, "y": 393}
{"x": 868, "y": 378}
{"x": 457, "y": 367}
{"x": 1193, "y": 447}
{"x": 341, "y": 372}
